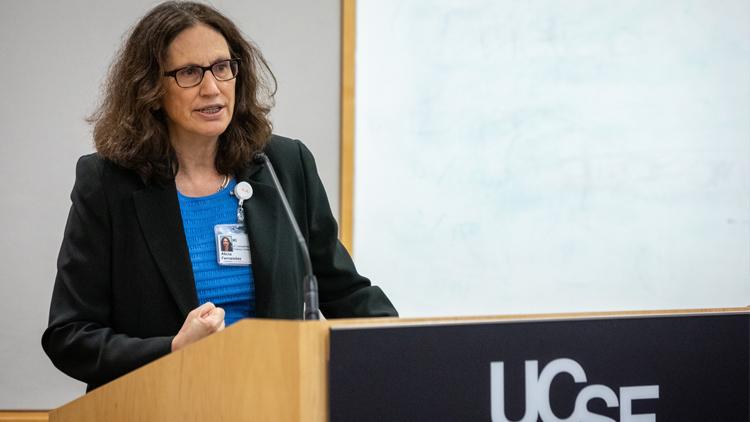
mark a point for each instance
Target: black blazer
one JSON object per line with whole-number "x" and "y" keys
{"x": 125, "y": 284}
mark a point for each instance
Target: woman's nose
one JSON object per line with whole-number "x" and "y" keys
{"x": 209, "y": 85}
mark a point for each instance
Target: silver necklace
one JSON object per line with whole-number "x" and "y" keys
{"x": 224, "y": 183}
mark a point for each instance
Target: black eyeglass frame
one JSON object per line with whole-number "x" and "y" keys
{"x": 235, "y": 62}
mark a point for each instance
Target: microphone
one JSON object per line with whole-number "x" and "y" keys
{"x": 309, "y": 283}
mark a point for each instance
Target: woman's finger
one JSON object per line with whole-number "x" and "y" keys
{"x": 205, "y": 308}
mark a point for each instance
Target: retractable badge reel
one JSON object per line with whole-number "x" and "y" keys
{"x": 242, "y": 191}
{"x": 232, "y": 242}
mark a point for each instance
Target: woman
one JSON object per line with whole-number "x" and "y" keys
{"x": 226, "y": 244}
{"x": 138, "y": 275}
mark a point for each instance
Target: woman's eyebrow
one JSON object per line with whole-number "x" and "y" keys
{"x": 221, "y": 58}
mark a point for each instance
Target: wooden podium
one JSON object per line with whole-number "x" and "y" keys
{"x": 271, "y": 370}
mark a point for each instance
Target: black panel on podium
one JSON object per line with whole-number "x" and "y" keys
{"x": 663, "y": 368}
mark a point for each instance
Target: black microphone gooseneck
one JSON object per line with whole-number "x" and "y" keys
{"x": 310, "y": 283}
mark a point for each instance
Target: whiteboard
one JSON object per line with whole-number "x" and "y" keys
{"x": 553, "y": 156}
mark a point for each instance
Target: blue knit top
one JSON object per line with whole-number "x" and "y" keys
{"x": 229, "y": 287}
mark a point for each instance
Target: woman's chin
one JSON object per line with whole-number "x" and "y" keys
{"x": 213, "y": 130}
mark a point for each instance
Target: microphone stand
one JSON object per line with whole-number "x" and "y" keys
{"x": 309, "y": 283}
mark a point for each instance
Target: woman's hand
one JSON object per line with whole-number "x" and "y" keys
{"x": 200, "y": 322}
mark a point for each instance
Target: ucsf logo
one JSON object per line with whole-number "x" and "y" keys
{"x": 537, "y": 395}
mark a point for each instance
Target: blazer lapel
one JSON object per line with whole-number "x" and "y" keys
{"x": 262, "y": 213}
{"x": 160, "y": 219}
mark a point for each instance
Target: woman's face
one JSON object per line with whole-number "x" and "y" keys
{"x": 202, "y": 112}
{"x": 225, "y": 242}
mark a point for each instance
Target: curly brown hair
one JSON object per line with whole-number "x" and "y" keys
{"x": 130, "y": 127}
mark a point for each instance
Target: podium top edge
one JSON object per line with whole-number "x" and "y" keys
{"x": 400, "y": 322}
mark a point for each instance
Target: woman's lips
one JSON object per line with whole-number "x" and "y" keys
{"x": 211, "y": 112}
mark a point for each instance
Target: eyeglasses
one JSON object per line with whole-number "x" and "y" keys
{"x": 190, "y": 76}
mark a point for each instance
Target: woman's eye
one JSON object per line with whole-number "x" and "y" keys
{"x": 189, "y": 71}
{"x": 222, "y": 68}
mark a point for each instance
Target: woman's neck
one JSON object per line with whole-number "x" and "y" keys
{"x": 197, "y": 175}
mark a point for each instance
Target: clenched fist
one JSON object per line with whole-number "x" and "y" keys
{"x": 200, "y": 322}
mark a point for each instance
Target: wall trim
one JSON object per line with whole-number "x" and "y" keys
{"x": 348, "y": 38}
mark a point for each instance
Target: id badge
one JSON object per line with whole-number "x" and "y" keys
{"x": 232, "y": 244}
